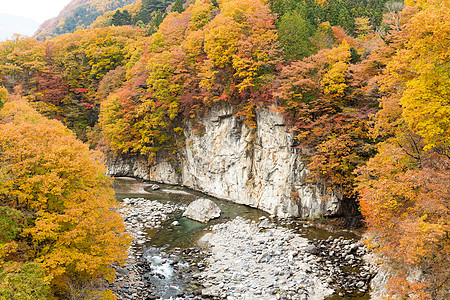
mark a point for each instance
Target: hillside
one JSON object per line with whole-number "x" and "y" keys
{"x": 353, "y": 94}
{"x": 13, "y": 24}
{"x": 78, "y": 14}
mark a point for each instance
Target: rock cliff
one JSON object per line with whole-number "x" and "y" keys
{"x": 261, "y": 169}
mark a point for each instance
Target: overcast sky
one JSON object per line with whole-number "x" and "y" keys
{"x": 39, "y": 10}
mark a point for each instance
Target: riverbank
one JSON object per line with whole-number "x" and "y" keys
{"x": 242, "y": 255}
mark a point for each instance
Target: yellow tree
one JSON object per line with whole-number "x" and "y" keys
{"x": 20, "y": 58}
{"x": 405, "y": 187}
{"x": 49, "y": 174}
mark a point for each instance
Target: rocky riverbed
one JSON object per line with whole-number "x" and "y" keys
{"x": 260, "y": 260}
{"x": 236, "y": 258}
{"x": 141, "y": 215}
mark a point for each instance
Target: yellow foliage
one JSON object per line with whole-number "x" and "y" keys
{"x": 418, "y": 72}
{"x": 334, "y": 79}
{"x": 221, "y": 37}
{"x": 47, "y": 171}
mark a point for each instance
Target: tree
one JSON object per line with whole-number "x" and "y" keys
{"x": 3, "y": 95}
{"x": 23, "y": 281}
{"x": 294, "y": 32}
{"x": 75, "y": 234}
{"x": 178, "y": 6}
{"x": 121, "y": 18}
{"x": 20, "y": 59}
{"x": 405, "y": 188}
{"x": 322, "y": 97}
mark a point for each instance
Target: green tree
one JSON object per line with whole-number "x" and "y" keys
{"x": 294, "y": 32}
{"x": 178, "y": 6}
{"x": 3, "y": 95}
{"x": 23, "y": 281}
{"x": 121, "y": 18}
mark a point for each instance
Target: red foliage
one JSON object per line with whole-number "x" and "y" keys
{"x": 52, "y": 87}
{"x": 80, "y": 91}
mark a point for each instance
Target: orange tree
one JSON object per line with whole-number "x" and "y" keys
{"x": 71, "y": 230}
{"x": 325, "y": 98}
{"x": 405, "y": 187}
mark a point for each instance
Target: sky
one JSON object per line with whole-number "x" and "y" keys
{"x": 39, "y": 10}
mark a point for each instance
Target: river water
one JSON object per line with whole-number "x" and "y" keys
{"x": 167, "y": 250}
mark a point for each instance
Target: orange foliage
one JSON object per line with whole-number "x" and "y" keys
{"x": 405, "y": 188}
{"x": 46, "y": 172}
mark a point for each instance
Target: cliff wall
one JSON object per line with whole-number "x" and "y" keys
{"x": 261, "y": 169}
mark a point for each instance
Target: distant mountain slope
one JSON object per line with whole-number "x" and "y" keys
{"x": 77, "y": 14}
{"x": 13, "y": 24}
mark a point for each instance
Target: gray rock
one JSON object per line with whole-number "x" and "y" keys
{"x": 311, "y": 249}
{"x": 155, "y": 187}
{"x": 202, "y": 210}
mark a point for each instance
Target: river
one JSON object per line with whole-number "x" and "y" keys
{"x": 166, "y": 262}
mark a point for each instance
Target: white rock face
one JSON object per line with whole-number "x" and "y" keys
{"x": 202, "y": 210}
{"x": 267, "y": 173}
{"x": 137, "y": 166}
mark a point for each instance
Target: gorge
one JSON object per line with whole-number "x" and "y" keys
{"x": 225, "y": 162}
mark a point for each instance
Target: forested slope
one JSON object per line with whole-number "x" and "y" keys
{"x": 78, "y": 14}
{"x": 362, "y": 84}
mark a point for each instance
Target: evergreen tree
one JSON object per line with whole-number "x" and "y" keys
{"x": 178, "y": 6}
{"x": 121, "y": 18}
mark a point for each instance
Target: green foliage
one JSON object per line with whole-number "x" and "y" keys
{"x": 23, "y": 281}
{"x": 3, "y": 95}
{"x": 298, "y": 20}
{"x": 151, "y": 6}
{"x": 178, "y": 6}
{"x": 294, "y": 33}
{"x": 121, "y": 18}
{"x": 10, "y": 223}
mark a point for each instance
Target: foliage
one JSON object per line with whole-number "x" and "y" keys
{"x": 309, "y": 14}
{"x": 193, "y": 60}
{"x": 294, "y": 31}
{"x": 78, "y": 14}
{"x": 111, "y": 81}
{"x": 121, "y": 18}
{"x": 23, "y": 281}
{"x": 45, "y": 171}
{"x": 405, "y": 187}
{"x": 178, "y": 6}
{"x": 20, "y": 59}
{"x": 148, "y": 7}
{"x": 351, "y": 78}
{"x": 3, "y": 95}
{"x": 9, "y": 223}
{"x": 323, "y": 99}
{"x": 51, "y": 74}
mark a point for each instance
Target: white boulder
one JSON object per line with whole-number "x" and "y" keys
{"x": 202, "y": 210}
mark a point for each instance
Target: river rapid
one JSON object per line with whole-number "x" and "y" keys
{"x": 244, "y": 254}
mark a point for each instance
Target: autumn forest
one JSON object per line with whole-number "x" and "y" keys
{"x": 364, "y": 86}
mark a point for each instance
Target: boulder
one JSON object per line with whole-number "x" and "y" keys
{"x": 202, "y": 210}
{"x": 155, "y": 187}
